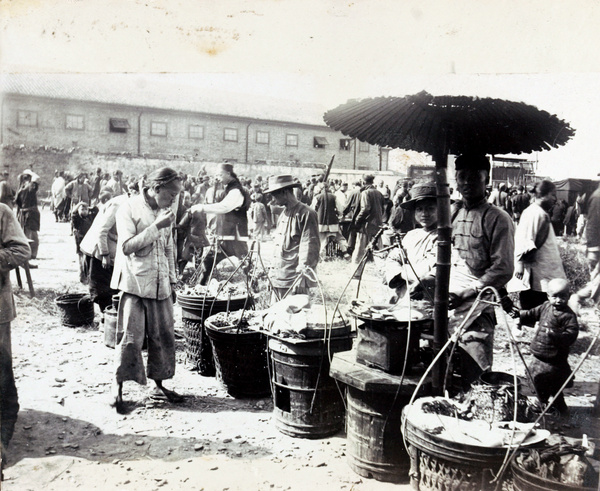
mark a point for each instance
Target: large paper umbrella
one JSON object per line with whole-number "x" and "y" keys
{"x": 443, "y": 125}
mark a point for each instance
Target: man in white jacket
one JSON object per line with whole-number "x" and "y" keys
{"x": 145, "y": 272}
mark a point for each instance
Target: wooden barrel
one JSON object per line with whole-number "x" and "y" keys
{"x": 307, "y": 401}
{"x": 375, "y": 446}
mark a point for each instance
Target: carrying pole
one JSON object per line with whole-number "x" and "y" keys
{"x": 328, "y": 169}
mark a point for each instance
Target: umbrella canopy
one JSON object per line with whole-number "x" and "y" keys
{"x": 449, "y": 124}
{"x": 440, "y": 126}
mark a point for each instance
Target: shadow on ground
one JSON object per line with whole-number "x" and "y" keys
{"x": 39, "y": 434}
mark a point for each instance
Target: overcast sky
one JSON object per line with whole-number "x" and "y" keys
{"x": 543, "y": 53}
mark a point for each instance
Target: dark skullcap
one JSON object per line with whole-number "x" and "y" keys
{"x": 544, "y": 188}
{"x": 164, "y": 176}
{"x": 475, "y": 161}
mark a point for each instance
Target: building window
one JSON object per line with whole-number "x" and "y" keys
{"x": 345, "y": 144}
{"x": 291, "y": 140}
{"x": 320, "y": 142}
{"x": 74, "y": 122}
{"x": 26, "y": 118}
{"x": 230, "y": 134}
{"x": 158, "y": 129}
{"x": 118, "y": 125}
{"x": 196, "y": 132}
{"x": 363, "y": 147}
{"x": 262, "y": 137}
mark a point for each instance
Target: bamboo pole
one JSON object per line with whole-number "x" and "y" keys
{"x": 442, "y": 275}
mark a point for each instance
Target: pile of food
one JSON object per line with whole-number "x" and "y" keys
{"x": 454, "y": 421}
{"x": 497, "y": 403}
{"x": 415, "y": 311}
{"x": 562, "y": 463}
{"x": 220, "y": 290}
{"x": 486, "y": 403}
{"x": 240, "y": 321}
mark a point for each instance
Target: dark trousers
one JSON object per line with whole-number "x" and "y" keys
{"x": 531, "y": 298}
{"x": 548, "y": 378}
{"x": 227, "y": 248}
{"x": 99, "y": 282}
{"x": 9, "y": 401}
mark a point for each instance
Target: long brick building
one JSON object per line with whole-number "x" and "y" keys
{"x": 126, "y": 114}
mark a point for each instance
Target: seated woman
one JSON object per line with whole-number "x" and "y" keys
{"x": 419, "y": 247}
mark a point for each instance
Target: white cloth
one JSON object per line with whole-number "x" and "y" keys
{"x": 340, "y": 201}
{"x": 101, "y": 238}
{"x": 547, "y": 264}
{"x": 58, "y": 190}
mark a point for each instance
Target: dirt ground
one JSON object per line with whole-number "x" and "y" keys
{"x": 68, "y": 437}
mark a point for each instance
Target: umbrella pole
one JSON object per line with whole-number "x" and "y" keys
{"x": 440, "y": 305}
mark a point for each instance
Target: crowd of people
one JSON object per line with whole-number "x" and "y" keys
{"x": 135, "y": 235}
{"x": 495, "y": 244}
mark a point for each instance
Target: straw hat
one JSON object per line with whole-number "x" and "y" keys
{"x": 420, "y": 192}
{"x": 283, "y": 181}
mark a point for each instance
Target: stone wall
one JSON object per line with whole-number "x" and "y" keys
{"x": 45, "y": 161}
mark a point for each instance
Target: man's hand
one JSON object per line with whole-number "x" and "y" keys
{"x": 197, "y": 208}
{"x": 106, "y": 261}
{"x": 454, "y": 301}
{"x": 519, "y": 269}
{"x": 164, "y": 219}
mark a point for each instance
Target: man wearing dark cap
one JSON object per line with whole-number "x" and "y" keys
{"x": 482, "y": 255}
{"x": 296, "y": 239}
{"x": 95, "y": 186}
{"x": 145, "y": 273}
{"x": 368, "y": 217}
{"x": 232, "y": 220}
{"x": 79, "y": 191}
{"x": 520, "y": 201}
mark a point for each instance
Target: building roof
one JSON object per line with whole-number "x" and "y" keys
{"x": 167, "y": 91}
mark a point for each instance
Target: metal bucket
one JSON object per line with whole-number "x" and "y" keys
{"x": 112, "y": 334}
{"x": 307, "y": 401}
{"x": 76, "y": 309}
